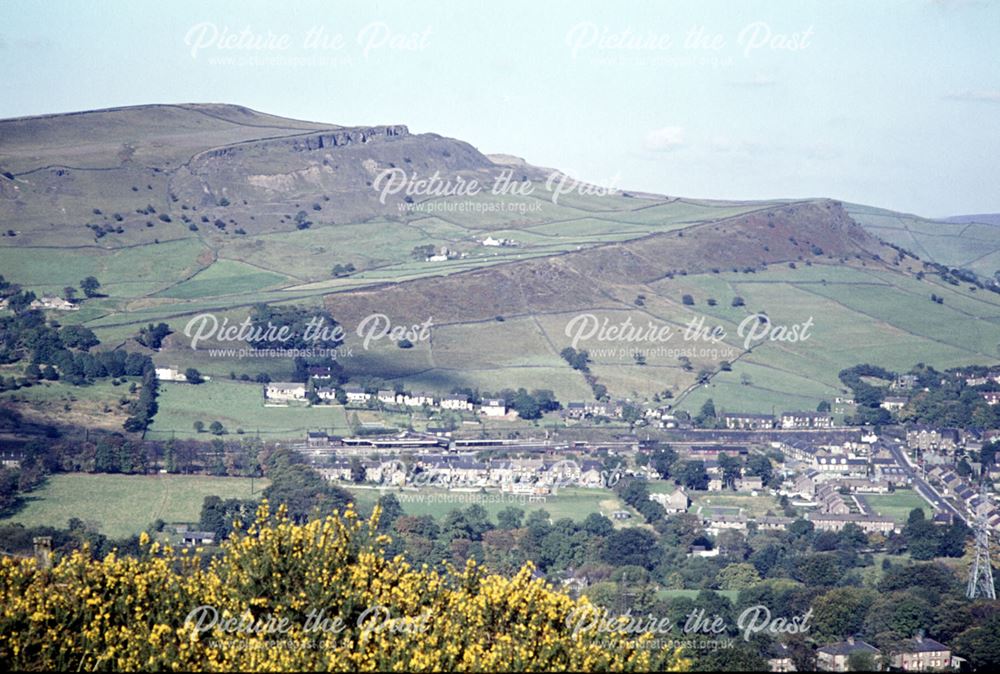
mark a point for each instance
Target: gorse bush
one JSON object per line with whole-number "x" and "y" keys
{"x": 287, "y": 596}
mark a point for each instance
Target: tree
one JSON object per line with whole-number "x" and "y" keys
{"x": 78, "y": 337}
{"x": 216, "y": 428}
{"x": 630, "y": 547}
{"x": 151, "y": 336}
{"x": 731, "y": 470}
{"x": 861, "y": 662}
{"x": 199, "y": 426}
{"x": 693, "y": 475}
{"x": 923, "y": 538}
{"x": 980, "y": 644}
{"x": 759, "y": 465}
{"x": 69, "y": 293}
{"x": 840, "y": 613}
{"x": 662, "y": 461}
{"x": 706, "y": 417}
{"x": 90, "y": 286}
{"x": 738, "y": 577}
{"x": 193, "y": 376}
{"x": 688, "y": 300}
{"x": 358, "y": 472}
{"x": 510, "y": 518}
{"x": 597, "y": 524}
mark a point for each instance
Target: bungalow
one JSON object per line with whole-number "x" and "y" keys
{"x": 356, "y": 394}
{"x": 170, "y": 374}
{"x": 10, "y": 460}
{"x": 198, "y": 538}
{"x": 835, "y": 657}
{"x": 894, "y": 403}
{"x": 387, "y": 397}
{"x": 718, "y": 523}
{"x": 456, "y": 403}
{"x": 326, "y": 393}
{"x": 495, "y": 407}
{"x": 285, "y": 390}
{"x": 806, "y": 420}
{"x": 52, "y": 302}
{"x": 921, "y": 654}
{"x": 748, "y": 422}
{"x": 317, "y": 438}
{"x": 750, "y": 483}
{"x": 416, "y": 399}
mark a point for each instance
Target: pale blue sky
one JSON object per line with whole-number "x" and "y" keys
{"x": 894, "y": 103}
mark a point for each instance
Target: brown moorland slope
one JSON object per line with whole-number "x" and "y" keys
{"x": 602, "y": 276}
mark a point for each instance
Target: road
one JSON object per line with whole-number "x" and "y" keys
{"x": 920, "y": 485}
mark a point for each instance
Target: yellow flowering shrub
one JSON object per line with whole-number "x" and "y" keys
{"x": 283, "y": 596}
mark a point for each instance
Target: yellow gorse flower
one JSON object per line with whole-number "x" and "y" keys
{"x": 342, "y": 604}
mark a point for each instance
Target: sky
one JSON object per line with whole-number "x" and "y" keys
{"x": 892, "y": 103}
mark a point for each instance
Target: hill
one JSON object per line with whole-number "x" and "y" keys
{"x": 987, "y": 218}
{"x": 184, "y": 209}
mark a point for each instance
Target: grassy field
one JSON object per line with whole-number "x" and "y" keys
{"x": 122, "y": 505}
{"x": 574, "y": 503}
{"x": 733, "y": 503}
{"x": 238, "y": 405}
{"x": 898, "y": 504}
{"x": 224, "y": 277}
{"x": 99, "y": 404}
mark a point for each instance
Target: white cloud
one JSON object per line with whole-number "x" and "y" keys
{"x": 665, "y": 139}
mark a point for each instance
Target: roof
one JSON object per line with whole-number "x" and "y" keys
{"x": 199, "y": 534}
{"x": 923, "y": 645}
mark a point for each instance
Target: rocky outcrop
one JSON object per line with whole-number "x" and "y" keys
{"x": 343, "y": 137}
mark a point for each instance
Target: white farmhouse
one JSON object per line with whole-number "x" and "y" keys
{"x": 456, "y": 403}
{"x": 494, "y": 407}
{"x": 285, "y": 390}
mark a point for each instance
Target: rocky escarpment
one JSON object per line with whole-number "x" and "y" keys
{"x": 309, "y": 142}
